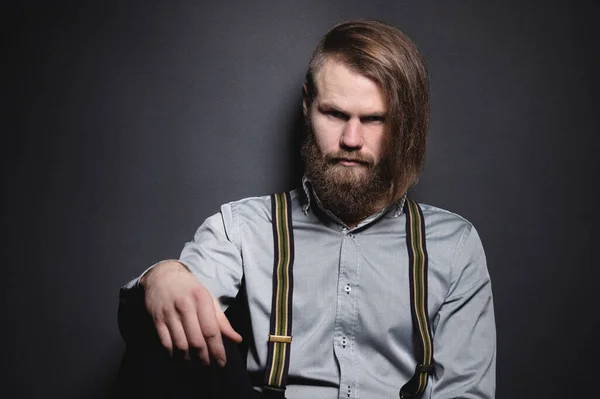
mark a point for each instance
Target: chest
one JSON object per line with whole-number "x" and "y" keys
{"x": 362, "y": 277}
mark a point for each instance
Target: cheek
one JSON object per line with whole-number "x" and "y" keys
{"x": 375, "y": 142}
{"x": 327, "y": 134}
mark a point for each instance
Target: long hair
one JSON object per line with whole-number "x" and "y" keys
{"x": 386, "y": 55}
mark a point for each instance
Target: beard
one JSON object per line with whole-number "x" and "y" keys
{"x": 352, "y": 193}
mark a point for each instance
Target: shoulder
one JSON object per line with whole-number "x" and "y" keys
{"x": 457, "y": 240}
{"x": 257, "y": 209}
{"x": 448, "y": 230}
{"x": 435, "y": 216}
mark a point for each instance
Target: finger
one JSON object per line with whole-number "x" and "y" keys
{"x": 164, "y": 336}
{"x": 193, "y": 333}
{"x": 211, "y": 331}
{"x": 178, "y": 337}
{"x": 224, "y": 324}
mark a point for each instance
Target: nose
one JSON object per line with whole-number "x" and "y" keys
{"x": 352, "y": 135}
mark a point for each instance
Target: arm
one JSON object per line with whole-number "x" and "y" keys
{"x": 178, "y": 295}
{"x": 464, "y": 328}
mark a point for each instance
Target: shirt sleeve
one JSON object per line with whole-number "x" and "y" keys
{"x": 464, "y": 328}
{"x": 214, "y": 255}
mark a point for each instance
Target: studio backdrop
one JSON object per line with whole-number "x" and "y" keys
{"x": 126, "y": 124}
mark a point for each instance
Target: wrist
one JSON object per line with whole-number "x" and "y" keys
{"x": 166, "y": 265}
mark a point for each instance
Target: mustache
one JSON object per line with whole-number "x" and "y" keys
{"x": 341, "y": 155}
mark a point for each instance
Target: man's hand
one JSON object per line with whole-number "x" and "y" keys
{"x": 187, "y": 317}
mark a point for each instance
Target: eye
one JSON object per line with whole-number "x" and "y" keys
{"x": 336, "y": 114}
{"x": 375, "y": 119}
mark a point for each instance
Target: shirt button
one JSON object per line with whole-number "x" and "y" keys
{"x": 344, "y": 341}
{"x": 347, "y": 288}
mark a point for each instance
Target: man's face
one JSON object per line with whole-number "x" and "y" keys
{"x": 347, "y": 119}
{"x": 344, "y": 146}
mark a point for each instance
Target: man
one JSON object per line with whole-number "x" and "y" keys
{"x": 359, "y": 328}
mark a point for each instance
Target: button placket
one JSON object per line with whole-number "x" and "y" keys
{"x": 348, "y": 274}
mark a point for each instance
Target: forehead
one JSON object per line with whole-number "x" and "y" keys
{"x": 340, "y": 86}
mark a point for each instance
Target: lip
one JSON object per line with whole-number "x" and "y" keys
{"x": 349, "y": 162}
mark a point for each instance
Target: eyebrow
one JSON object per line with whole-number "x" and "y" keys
{"x": 327, "y": 106}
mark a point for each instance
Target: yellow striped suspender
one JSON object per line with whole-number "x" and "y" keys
{"x": 417, "y": 254}
{"x": 280, "y": 337}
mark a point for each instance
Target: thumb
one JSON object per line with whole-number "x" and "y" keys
{"x": 224, "y": 324}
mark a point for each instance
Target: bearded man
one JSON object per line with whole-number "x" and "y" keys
{"x": 350, "y": 289}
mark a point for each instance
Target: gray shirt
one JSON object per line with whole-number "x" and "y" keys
{"x": 352, "y": 327}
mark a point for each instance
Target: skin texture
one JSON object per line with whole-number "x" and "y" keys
{"x": 343, "y": 151}
{"x": 187, "y": 317}
{"x": 348, "y": 120}
{"x": 348, "y": 113}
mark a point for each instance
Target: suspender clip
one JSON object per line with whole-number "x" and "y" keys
{"x": 286, "y": 339}
{"x": 270, "y": 392}
{"x": 424, "y": 368}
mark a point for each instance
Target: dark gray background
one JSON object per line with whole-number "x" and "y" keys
{"x": 126, "y": 124}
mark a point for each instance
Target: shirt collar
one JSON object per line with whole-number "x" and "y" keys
{"x": 394, "y": 209}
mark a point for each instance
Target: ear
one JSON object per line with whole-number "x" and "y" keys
{"x": 305, "y": 100}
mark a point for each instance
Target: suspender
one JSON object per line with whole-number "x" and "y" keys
{"x": 417, "y": 255}
{"x": 280, "y": 337}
